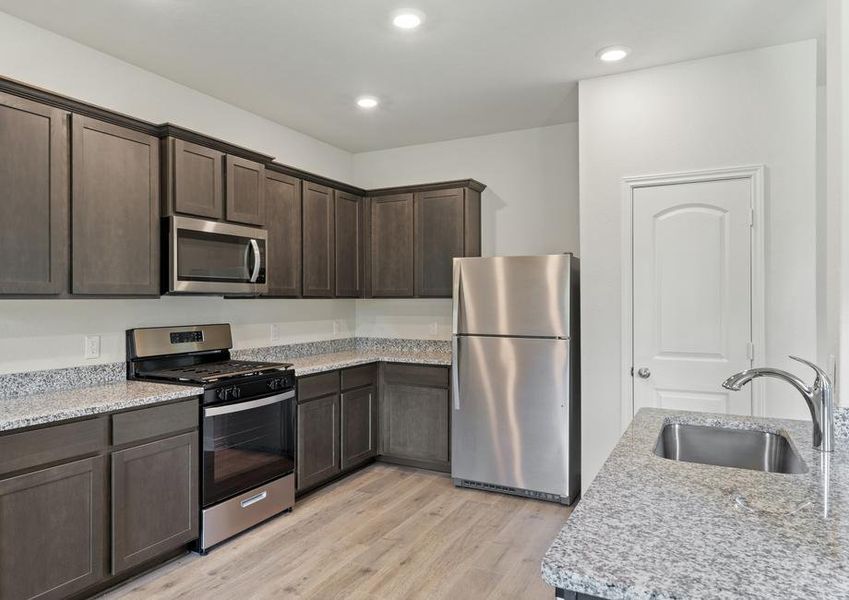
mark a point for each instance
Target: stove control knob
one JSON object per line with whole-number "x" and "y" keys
{"x": 236, "y": 392}
{"x": 273, "y": 384}
{"x": 222, "y": 393}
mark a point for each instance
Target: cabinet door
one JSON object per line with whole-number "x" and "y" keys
{"x": 52, "y": 531}
{"x": 319, "y": 241}
{"x": 34, "y": 180}
{"x": 283, "y": 222}
{"x": 392, "y": 246}
{"x": 359, "y": 426}
{"x": 349, "y": 241}
{"x": 245, "y": 191}
{"x": 154, "y": 499}
{"x": 115, "y": 210}
{"x": 318, "y": 441}
{"x": 439, "y": 238}
{"x": 415, "y": 416}
{"x": 197, "y": 181}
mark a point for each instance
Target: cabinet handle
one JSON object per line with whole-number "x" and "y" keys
{"x": 254, "y": 499}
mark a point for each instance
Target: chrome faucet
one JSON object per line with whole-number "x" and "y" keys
{"x": 819, "y": 397}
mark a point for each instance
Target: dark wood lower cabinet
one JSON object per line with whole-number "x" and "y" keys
{"x": 52, "y": 538}
{"x": 318, "y": 441}
{"x": 415, "y": 416}
{"x": 359, "y": 426}
{"x": 154, "y": 499}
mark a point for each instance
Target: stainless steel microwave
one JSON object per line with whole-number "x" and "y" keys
{"x": 210, "y": 257}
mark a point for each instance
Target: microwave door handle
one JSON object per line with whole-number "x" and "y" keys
{"x": 257, "y": 261}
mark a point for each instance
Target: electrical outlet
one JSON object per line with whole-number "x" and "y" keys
{"x": 275, "y": 332}
{"x": 92, "y": 346}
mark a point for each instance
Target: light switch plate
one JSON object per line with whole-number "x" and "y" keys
{"x": 92, "y": 346}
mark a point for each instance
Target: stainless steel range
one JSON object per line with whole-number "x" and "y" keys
{"x": 247, "y": 460}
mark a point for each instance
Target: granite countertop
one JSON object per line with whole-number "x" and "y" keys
{"x": 318, "y": 363}
{"x": 652, "y": 528}
{"x": 37, "y": 409}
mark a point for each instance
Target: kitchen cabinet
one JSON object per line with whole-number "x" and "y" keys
{"x": 319, "y": 240}
{"x": 447, "y": 226}
{"x": 318, "y": 441}
{"x": 415, "y": 416}
{"x": 391, "y": 246}
{"x": 348, "y": 243}
{"x": 52, "y": 530}
{"x": 283, "y": 222}
{"x": 34, "y": 203}
{"x": 115, "y": 210}
{"x": 154, "y": 499}
{"x": 359, "y": 426}
{"x": 245, "y": 191}
{"x": 195, "y": 179}
{"x": 55, "y": 539}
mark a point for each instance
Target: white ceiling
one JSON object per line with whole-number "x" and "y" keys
{"x": 474, "y": 67}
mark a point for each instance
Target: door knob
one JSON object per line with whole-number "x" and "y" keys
{"x": 644, "y": 373}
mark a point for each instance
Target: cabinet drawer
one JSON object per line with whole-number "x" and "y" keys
{"x": 19, "y": 451}
{"x": 314, "y": 386}
{"x": 153, "y": 422}
{"x": 359, "y": 376}
{"x": 416, "y": 375}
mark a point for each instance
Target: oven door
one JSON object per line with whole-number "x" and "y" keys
{"x": 247, "y": 444}
{"x": 208, "y": 257}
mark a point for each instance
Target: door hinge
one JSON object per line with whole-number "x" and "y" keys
{"x": 752, "y": 217}
{"x": 750, "y": 351}
{"x": 632, "y": 371}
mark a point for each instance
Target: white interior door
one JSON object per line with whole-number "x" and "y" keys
{"x": 692, "y": 295}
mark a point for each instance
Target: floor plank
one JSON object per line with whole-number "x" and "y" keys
{"x": 385, "y": 533}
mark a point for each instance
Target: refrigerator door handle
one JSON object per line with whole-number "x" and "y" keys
{"x": 455, "y": 316}
{"x": 455, "y": 370}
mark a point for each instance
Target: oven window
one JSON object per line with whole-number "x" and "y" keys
{"x": 207, "y": 256}
{"x": 246, "y": 448}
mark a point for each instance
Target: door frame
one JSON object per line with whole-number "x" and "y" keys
{"x": 755, "y": 174}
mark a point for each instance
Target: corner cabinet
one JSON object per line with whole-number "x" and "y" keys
{"x": 115, "y": 210}
{"x": 391, "y": 235}
{"x": 283, "y": 222}
{"x": 34, "y": 203}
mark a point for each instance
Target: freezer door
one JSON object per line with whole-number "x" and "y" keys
{"x": 513, "y": 295}
{"x": 511, "y": 415}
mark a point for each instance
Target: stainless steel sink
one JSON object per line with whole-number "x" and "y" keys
{"x": 755, "y": 450}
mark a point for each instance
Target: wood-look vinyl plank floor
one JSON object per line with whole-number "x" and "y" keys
{"x": 384, "y": 533}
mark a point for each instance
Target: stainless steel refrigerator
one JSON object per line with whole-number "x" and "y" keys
{"x": 515, "y": 418}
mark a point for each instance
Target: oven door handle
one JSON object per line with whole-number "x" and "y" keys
{"x": 215, "y": 411}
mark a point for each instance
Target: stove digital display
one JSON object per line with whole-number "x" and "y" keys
{"x": 186, "y": 337}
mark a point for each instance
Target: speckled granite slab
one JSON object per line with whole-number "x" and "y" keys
{"x": 360, "y": 351}
{"x": 841, "y": 423}
{"x": 39, "y": 382}
{"x": 38, "y": 409}
{"x": 652, "y": 528}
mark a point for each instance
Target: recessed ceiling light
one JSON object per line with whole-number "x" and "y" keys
{"x": 367, "y": 102}
{"x": 408, "y": 19}
{"x": 613, "y": 53}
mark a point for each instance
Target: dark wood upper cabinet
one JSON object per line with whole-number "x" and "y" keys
{"x": 391, "y": 224}
{"x": 349, "y": 245}
{"x": 319, "y": 241}
{"x": 52, "y": 531}
{"x": 115, "y": 210}
{"x": 34, "y": 189}
{"x": 154, "y": 499}
{"x": 245, "y": 191}
{"x": 283, "y": 222}
{"x": 194, "y": 179}
{"x": 439, "y": 238}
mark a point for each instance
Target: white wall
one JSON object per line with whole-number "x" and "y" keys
{"x": 38, "y": 334}
{"x": 530, "y": 206}
{"x": 755, "y": 107}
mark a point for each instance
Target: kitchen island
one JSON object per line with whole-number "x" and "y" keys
{"x": 654, "y": 528}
